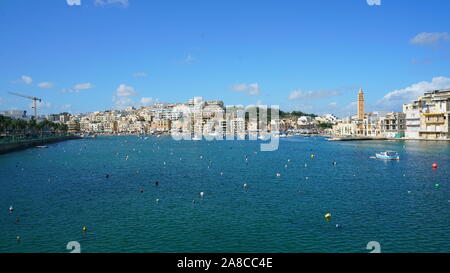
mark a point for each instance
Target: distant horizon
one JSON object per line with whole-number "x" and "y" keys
{"x": 309, "y": 56}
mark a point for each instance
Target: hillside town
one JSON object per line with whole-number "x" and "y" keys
{"x": 425, "y": 118}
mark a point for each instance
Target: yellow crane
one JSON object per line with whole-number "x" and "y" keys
{"x": 34, "y": 99}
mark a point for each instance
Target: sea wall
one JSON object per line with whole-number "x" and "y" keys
{"x": 24, "y": 144}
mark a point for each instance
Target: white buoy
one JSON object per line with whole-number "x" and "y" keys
{"x": 306, "y": 165}
{"x": 285, "y": 166}
{"x": 245, "y": 186}
{"x": 306, "y": 178}
{"x": 201, "y": 157}
{"x": 278, "y": 175}
{"x": 289, "y": 160}
{"x": 11, "y": 209}
{"x": 201, "y": 194}
{"x": 221, "y": 173}
{"x": 157, "y": 200}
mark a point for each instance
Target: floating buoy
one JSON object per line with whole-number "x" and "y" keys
{"x": 221, "y": 173}
{"x": 157, "y": 200}
{"x": 18, "y": 238}
{"x": 278, "y": 175}
{"x": 201, "y": 194}
{"x": 156, "y": 183}
{"x": 141, "y": 190}
{"x": 334, "y": 163}
{"x": 245, "y": 186}
{"x": 434, "y": 166}
{"x": 312, "y": 155}
{"x": 306, "y": 165}
{"x": 11, "y": 209}
{"x": 437, "y": 185}
{"x": 289, "y": 160}
{"x": 285, "y": 166}
{"x": 84, "y": 228}
{"x": 338, "y": 226}
{"x": 327, "y": 216}
{"x": 107, "y": 176}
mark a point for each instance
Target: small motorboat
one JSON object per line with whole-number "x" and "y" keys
{"x": 388, "y": 155}
{"x": 42, "y": 146}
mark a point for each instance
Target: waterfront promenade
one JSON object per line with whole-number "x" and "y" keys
{"x": 11, "y": 146}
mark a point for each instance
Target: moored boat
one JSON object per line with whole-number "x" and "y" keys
{"x": 388, "y": 155}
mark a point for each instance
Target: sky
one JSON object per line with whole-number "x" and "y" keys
{"x": 312, "y": 56}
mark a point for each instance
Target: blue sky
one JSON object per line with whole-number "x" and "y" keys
{"x": 302, "y": 55}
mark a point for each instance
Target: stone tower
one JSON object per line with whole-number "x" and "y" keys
{"x": 361, "y": 104}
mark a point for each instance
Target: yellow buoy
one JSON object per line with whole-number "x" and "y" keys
{"x": 84, "y": 228}
{"x": 327, "y": 216}
{"x": 312, "y": 156}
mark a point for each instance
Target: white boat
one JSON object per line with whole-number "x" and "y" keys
{"x": 42, "y": 146}
{"x": 390, "y": 155}
{"x": 197, "y": 138}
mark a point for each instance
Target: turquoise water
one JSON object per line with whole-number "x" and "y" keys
{"x": 57, "y": 191}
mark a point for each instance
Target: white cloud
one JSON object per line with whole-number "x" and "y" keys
{"x": 124, "y": 3}
{"x": 122, "y": 96}
{"x": 83, "y": 86}
{"x": 125, "y": 91}
{"x": 40, "y": 105}
{"x": 430, "y": 38}
{"x": 146, "y": 101}
{"x": 46, "y": 85}
{"x": 140, "y": 74}
{"x": 397, "y": 98}
{"x": 374, "y": 2}
{"x": 189, "y": 59}
{"x": 65, "y": 107}
{"x": 73, "y": 2}
{"x": 78, "y": 87}
{"x": 332, "y": 104}
{"x": 251, "y": 89}
{"x": 26, "y": 79}
{"x": 121, "y": 102}
{"x": 312, "y": 95}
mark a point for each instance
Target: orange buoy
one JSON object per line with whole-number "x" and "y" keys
{"x": 434, "y": 166}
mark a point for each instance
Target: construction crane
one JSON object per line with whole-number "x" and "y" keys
{"x": 34, "y": 99}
